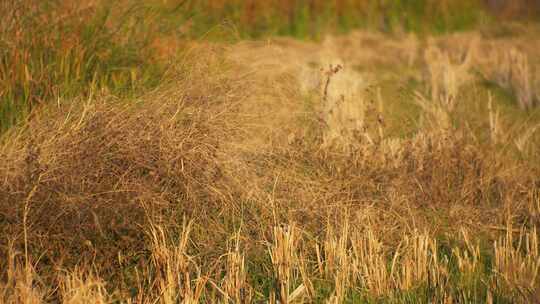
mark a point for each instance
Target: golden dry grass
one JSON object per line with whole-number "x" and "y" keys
{"x": 258, "y": 172}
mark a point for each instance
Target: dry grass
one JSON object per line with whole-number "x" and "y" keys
{"x": 445, "y": 77}
{"x": 343, "y": 108}
{"x": 235, "y": 286}
{"x": 19, "y": 280}
{"x": 517, "y": 265}
{"x": 78, "y": 287}
{"x": 512, "y": 71}
{"x": 182, "y": 195}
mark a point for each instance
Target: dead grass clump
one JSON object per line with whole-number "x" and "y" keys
{"x": 445, "y": 77}
{"x": 437, "y": 114}
{"x": 79, "y": 184}
{"x": 533, "y": 206}
{"x": 432, "y": 169}
{"x": 343, "y": 108}
{"x": 356, "y": 261}
{"x": 469, "y": 261}
{"x": 523, "y": 141}
{"x": 495, "y": 131}
{"x": 172, "y": 268}
{"x": 235, "y": 286}
{"x": 517, "y": 264}
{"x": 285, "y": 263}
{"x": 19, "y": 282}
{"x": 337, "y": 261}
{"x": 371, "y": 265}
{"x": 446, "y": 80}
{"x": 420, "y": 263}
{"x": 78, "y": 287}
{"x": 511, "y": 70}
{"x": 520, "y": 79}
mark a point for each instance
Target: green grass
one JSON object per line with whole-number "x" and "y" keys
{"x": 78, "y": 53}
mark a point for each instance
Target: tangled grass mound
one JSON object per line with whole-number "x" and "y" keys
{"x": 81, "y": 183}
{"x": 240, "y": 180}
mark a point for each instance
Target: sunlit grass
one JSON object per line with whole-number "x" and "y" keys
{"x": 372, "y": 167}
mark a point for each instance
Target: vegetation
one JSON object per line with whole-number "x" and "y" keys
{"x": 372, "y": 166}
{"x": 60, "y": 49}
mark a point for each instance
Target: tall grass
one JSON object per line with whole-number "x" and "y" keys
{"x": 54, "y": 49}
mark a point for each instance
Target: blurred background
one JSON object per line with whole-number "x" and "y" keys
{"x": 52, "y": 49}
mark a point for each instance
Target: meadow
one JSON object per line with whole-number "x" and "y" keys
{"x": 269, "y": 152}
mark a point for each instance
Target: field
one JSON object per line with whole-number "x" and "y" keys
{"x": 286, "y": 152}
